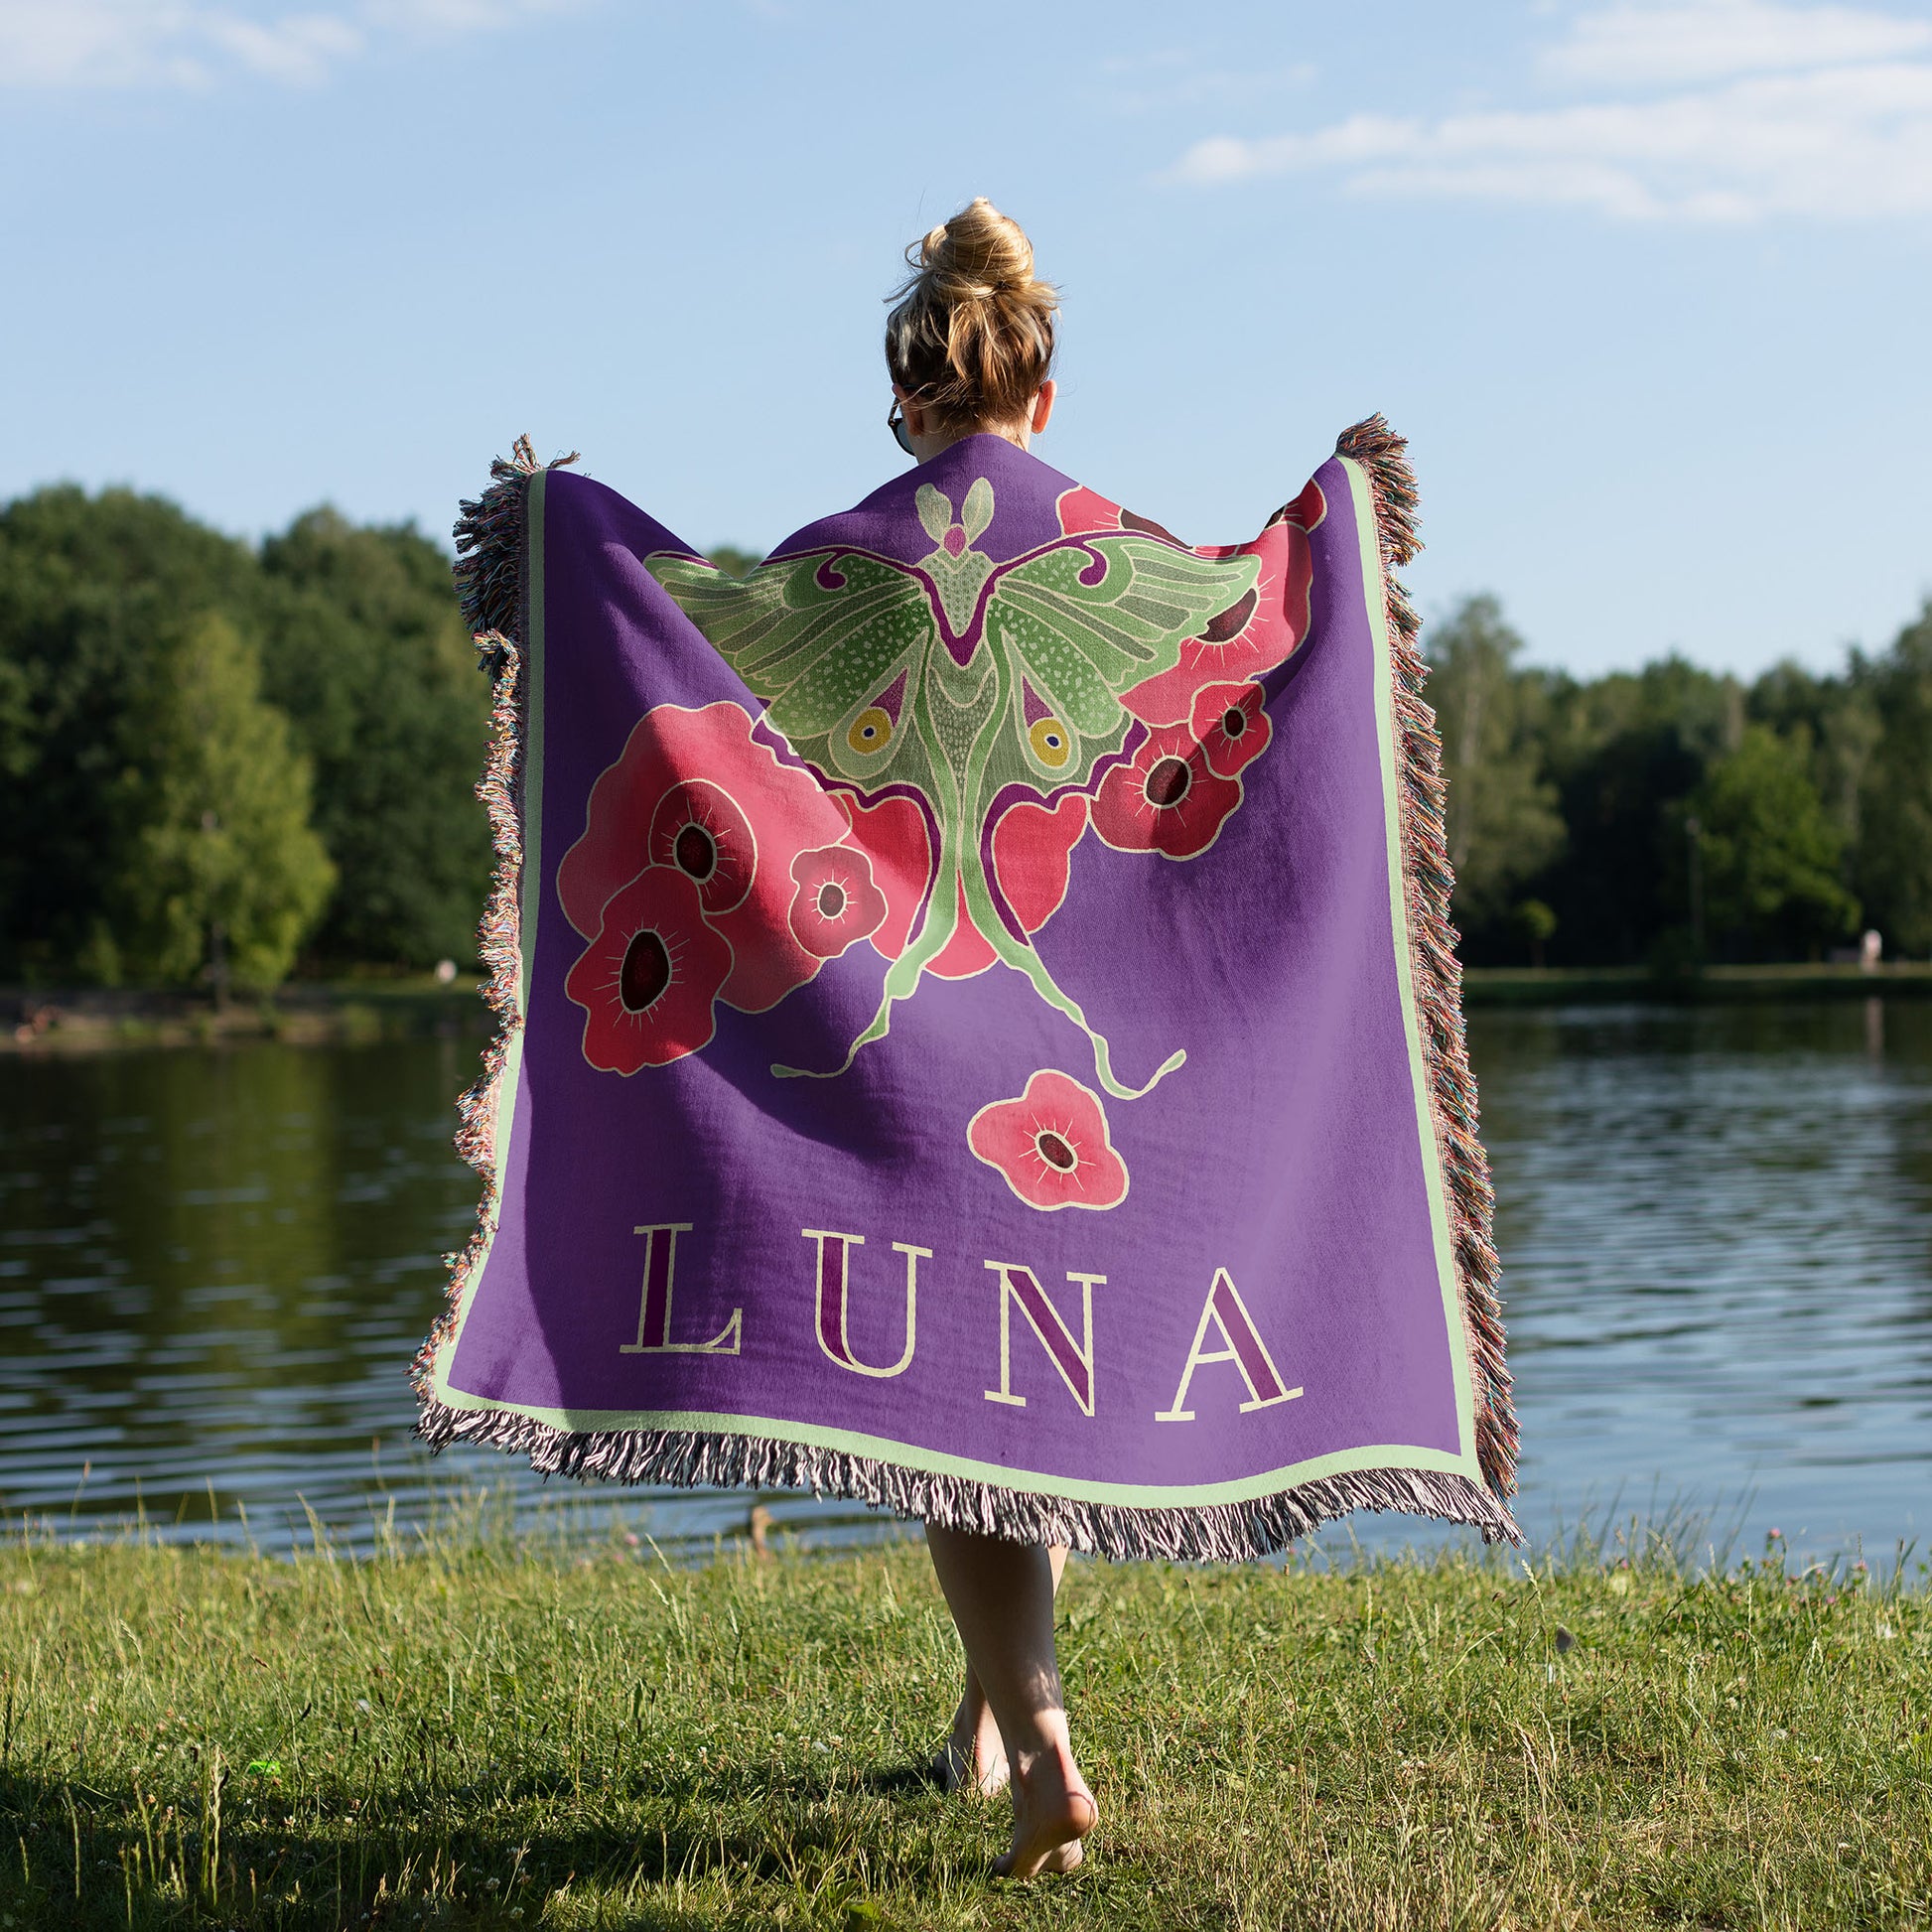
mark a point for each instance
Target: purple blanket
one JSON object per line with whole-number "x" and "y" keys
{"x": 981, "y": 1033}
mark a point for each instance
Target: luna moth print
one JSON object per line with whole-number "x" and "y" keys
{"x": 959, "y": 678}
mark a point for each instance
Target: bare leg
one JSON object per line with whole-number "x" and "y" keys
{"x": 1001, "y": 1599}
{"x": 974, "y": 1759}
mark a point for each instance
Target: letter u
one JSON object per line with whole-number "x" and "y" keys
{"x": 832, "y": 1316}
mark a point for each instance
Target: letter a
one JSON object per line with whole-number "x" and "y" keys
{"x": 654, "y": 1305}
{"x": 834, "y": 1299}
{"x": 1244, "y": 1349}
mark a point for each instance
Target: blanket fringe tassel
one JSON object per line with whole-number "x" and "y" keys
{"x": 1428, "y": 881}
{"x": 490, "y": 579}
{"x": 1233, "y": 1532}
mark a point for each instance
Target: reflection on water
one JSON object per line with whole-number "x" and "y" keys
{"x": 1715, "y": 1224}
{"x": 1717, "y": 1233}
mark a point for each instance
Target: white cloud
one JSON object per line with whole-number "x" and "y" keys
{"x": 1816, "y": 112}
{"x": 1171, "y": 77}
{"x": 1719, "y": 40}
{"x": 61, "y": 43}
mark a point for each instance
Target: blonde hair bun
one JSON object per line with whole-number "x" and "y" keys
{"x": 971, "y": 335}
{"x": 978, "y": 251}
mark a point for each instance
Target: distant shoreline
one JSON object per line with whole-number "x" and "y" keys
{"x": 328, "y": 1013}
{"x": 44, "y": 1022}
{"x": 1561, "y": 986}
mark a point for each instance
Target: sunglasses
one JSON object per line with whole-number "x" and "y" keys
{"x": 896, "y": 424}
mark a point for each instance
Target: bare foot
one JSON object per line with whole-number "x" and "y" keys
{"x": 973, "y": 1758}
{"x": 1052, "y": 1811}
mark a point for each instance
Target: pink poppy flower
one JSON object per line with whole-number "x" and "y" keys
{"x": 648, "y": 981}
{"x": 1033, "y": 853}
{"x": 1082, "y": 512}
{"x": 1253, "y": 634}
{"x": 702, "y": 831}
{"x": 693, "y": 791}
{"x": 1230, "y": 725}
{"x": 1167, "y": 800}
{"x": 836, "y": 903}
{"x": 1052, "y": 1145}
{"x": 892, "y": 836}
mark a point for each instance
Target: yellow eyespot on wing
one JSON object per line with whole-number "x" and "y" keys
{"x": 1052, "y": 746}
{"x": 872, "y": 730}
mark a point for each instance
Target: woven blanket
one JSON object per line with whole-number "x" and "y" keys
{"x": 981, "y": 1031}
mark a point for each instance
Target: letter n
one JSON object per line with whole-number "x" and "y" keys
{"x": 834, "y": 1298}
{"x": 654, "y": 1305}
{"x": 1074, "y": 1361}
{"x": 1243, "y": 1347}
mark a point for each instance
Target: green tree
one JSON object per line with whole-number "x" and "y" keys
{"x": 88, "y": 585}
{"x": 1894, "y": 868}
{"x": 369, "y": 656}
{"x": 1536, "y": 923}
{"x": 1627, "y": 750}
{"x": 1770, "y": 853}
{"x": 1842, "y": 719}
{"x": 1503, "y": 822}
{"x": 226, "y": 876}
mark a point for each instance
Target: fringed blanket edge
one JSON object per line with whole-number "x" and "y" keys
{"x": 1428, "y": 880}
{"x": 490, "y": 580}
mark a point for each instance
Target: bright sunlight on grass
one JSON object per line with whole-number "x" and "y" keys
{"x": 487, "y": 1732}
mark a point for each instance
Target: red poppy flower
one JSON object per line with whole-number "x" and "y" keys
{"x": 967, "y": 953}
{"x": 648, "y": 981}
{"x": 1254, "y": 634}
{"x": 1167, "y": 800}
{"x": 694, "y": 792}
{"x": 893, "y": 835}
{"x": 1031, "y": 850}
{"x": 1230, "y": 725}
{"x": 1258, "y": 630}
{"x": 702, "y": 832}
{"x": 1051, "y": 1146}
{"x": 1082, "y": 512}
{"x": 836, "y": 903}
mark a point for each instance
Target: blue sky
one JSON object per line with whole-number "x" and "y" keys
{"x": 1647, "y": 286}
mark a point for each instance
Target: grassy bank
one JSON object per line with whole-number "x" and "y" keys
{"x": 1511, "y": 986}
{"x": 488, "y": 1736}
{"x": 305, "y": 1012}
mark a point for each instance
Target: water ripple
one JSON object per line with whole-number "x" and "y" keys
{"x": 1716, "y": 1227}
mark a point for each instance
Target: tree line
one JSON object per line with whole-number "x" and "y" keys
{"x": 223, "y": 762}
{"x": 219, "y": 760}
{"x": 1675, "y": 815}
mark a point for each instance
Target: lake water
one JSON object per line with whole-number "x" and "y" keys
{"x": 1715, "y": 1226}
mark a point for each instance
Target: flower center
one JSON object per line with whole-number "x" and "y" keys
{"x": 831, "y": 900}
{"x": 1234, "y": 721}
{"x": 696, "y": 853}
{"x": 645, "y": 972}
{"x": 1167, "y": 782}
{"x": 1056, "y": 1153}
{"x": 1231, "y": 621}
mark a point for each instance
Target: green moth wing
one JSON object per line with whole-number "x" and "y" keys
{"x": 1080, "y": 645}
{"x": 863, "y": 665}
{"x": 821, "y": 638}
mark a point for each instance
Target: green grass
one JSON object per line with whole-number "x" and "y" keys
{"x": 494, "y": 1734}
